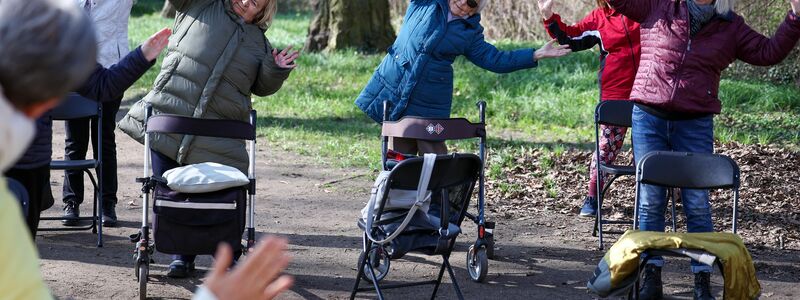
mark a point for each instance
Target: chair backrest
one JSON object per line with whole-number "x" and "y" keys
{"x": 688, "y": 170}
{"x": 614, "y": 113}
{"x": 75, "y": 106}
{"x": 433, "y": 129}
{"x": 449, "y": 170}
{"x": 165, "y": 123}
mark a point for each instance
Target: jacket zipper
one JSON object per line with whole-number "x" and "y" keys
{"x": 630, "y": 44}
{"x": 683, "y": 58}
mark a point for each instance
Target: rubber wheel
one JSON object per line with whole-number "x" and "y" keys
{"x": 379, "y": 261}
{"x": 477, "y": 264}
{"x": 489, "y": 246}
{"x": 142, "y": 277}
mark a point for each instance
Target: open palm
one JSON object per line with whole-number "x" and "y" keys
{"x": 546, "y": 8}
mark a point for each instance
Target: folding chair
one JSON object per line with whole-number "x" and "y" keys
{"x": 75, "y": 106}
{"x": 691, "y": 171}
{"x": 453, "y": 178}
{"x": 610, "y": 113}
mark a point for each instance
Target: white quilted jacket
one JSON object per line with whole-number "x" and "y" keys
{"x": 111, "y": 24}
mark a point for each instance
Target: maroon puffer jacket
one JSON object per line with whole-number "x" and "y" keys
{"x": 681, "y": 74}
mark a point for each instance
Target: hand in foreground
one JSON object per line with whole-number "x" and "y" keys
{"x": 551, "y": 49}
{"x": 257, "y": 278}
{"x": 155, "y": 43}
{"x": 285, "y": 58}
{"x": 795, "y": 6}
{"x": 546, "y": 8}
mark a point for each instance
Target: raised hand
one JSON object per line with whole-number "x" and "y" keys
{"x": 546, "y": 8}
{"x": 285, "y": 58}
{"x": 551, "y": 49}
{"x": 795, "y": 6}
{"x": 258, "y": 277}
{"x": 155, "y": 43}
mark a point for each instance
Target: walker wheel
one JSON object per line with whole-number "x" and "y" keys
{"x": 380, "y": 262}
{"x": 141, "y": 275}
{"x": 477, "y": 263}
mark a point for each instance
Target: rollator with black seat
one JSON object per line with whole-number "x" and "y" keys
{"x": 418, "y": 204}
{"x": 196, "y": 206}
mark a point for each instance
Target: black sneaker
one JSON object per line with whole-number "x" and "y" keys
{"x": 109, "y": 215}
{"x": 652, "y": 287}
{"x": 71, "y": 210}
{"x": 702, "y": 286}
{"x": 180, "y": 269}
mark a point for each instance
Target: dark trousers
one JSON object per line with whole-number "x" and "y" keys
{"x": 37, "y": 183}
{"x": 160, "y": 163}
{"x": 77, "y": 144}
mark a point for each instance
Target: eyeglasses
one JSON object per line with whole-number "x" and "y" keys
{"x": 472, "y": 3}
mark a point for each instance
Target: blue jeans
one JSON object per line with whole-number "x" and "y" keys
{"x": 651, "y": 133}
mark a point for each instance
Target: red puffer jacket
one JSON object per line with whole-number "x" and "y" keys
{"x": 680, "y": 74}
{"x": 620, "y": 39}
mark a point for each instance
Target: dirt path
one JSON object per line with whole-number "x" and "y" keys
{"x": 539, "y": 257}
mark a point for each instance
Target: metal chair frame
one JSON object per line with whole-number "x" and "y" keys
{"x": 77, "y": 107}
{"x": 611, "y": 113}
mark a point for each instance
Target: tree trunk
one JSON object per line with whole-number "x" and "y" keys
{"x": 168, "y": 11}
{"x": 364, "y": 25}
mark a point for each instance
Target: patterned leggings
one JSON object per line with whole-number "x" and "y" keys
{"x": 611, "y": 138}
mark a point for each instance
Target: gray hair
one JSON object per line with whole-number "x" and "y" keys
{"x": 724, "y": 6}
{"x": 47, "y": 48}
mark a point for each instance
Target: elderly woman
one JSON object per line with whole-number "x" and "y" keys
{"x": 217, "y": 58}
{"x": 416, "y": 77}
{"x": 685, "y": 46}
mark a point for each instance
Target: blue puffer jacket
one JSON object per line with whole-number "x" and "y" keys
{"x": 416, "y": 76}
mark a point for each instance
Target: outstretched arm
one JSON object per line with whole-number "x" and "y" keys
{"x": 636, "y": 10}
{"x": 488, "y": 57}
{"x": 546, "y": 9}
{"x": 109, "y": 84}
{"x": 757, "y": 49}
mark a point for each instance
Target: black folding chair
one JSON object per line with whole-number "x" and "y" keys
{"x": 73, "y": 107}
{"x": 453, "y": 178}
{"x": 685, "y": 170}
{"x": 610, "y": 113}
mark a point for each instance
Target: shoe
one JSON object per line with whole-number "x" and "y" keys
{"x": 702, "y": 286}
{"x": 180, "y": 269}
{"x": 71, "y": 210}
{"x": 109, "y": 215}
{"x": 652, "y": 287}
{"x": 589, "y": 208}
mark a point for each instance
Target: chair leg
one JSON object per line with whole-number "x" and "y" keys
{"x": 358, "y": 277}
{"x": 599, "y": 219}
{"x": 453, "y": 279}
{"x": 439, "y": 279}
{"x": 671, "y": 199}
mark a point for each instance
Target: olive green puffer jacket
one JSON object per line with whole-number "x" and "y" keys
{"x": 213, "y": 63}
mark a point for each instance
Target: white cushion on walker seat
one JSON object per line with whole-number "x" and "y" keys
{"x": 204, "y": 178}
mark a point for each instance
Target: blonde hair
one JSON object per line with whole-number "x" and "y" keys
{"x": 724, "y": 6}
{"x": 265, "y": 19}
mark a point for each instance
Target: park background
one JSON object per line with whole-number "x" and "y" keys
{"x": 540, "y": 121}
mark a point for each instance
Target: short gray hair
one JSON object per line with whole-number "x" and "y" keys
{"x": 724, "y": 6}
{"x": 47, "y": 48}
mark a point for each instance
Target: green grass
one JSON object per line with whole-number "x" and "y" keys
{"x": 550, "y": 106}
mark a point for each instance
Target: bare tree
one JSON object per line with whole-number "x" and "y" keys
{"x": 361, "y": 24}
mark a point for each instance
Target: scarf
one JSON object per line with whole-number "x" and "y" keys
{"x": 699, "y": 16}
